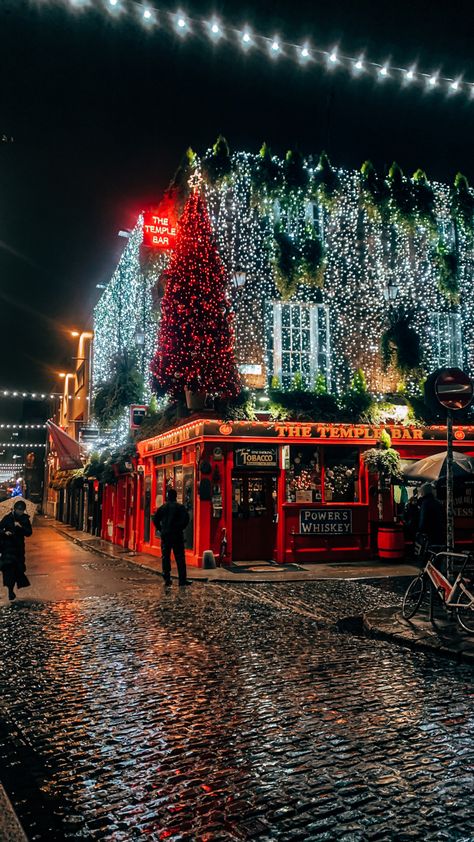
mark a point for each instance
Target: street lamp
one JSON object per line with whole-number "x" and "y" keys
{"x": 390, "y": 292}
{"x": 139, "y": 337}
{"x": 239, "y": 277}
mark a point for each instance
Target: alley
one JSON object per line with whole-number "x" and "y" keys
{"x": 221, "y": 712}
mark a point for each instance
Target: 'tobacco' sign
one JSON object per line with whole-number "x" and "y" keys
{"x": 159, "y": 228}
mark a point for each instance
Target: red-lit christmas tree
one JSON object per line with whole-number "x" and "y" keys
{"x": 196, "y": 338}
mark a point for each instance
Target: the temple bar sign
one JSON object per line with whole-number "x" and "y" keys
{"x": 256, "y": 457}
{"x": 330, "y": 521}
{"x": 159, "y": 229}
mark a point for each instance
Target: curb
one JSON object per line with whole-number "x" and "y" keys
{"x": 10, "y": 827}
{"x": 125, "y": 556}
{"x": 418, "y": 645}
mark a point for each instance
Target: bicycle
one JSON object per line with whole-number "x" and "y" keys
{"x": 447, "y": 592}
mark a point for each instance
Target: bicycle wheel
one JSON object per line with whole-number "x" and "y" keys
{"x": 413, "y": 596}
{"x": 465, "y": 614}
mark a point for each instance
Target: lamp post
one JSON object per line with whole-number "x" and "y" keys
{"x": 390, "y": 292}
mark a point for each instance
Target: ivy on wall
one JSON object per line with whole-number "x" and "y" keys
{"x": 400, "y": 344}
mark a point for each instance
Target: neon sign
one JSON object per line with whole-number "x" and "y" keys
{"x": 159, "y": 228}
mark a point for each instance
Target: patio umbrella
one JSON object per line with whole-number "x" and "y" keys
{"x": 433, "y": 468}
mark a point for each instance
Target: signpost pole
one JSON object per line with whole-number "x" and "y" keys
{"x": 454, "y": 390}
{"x": 449, "y": 489}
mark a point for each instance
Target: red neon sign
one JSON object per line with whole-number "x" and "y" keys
{"x": 159, "y": 228}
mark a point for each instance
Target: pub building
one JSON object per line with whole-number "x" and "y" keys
{"x": 287, "y": 492}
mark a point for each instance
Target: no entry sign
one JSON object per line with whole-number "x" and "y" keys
{"x": 454, "y": 388}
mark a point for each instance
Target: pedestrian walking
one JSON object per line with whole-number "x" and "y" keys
{"x": 170, "y": 520}
{"x": 14, "y": 528}
{"x": 432, "y": 521}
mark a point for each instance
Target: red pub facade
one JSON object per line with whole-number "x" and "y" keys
{"x": 290, "y": 492}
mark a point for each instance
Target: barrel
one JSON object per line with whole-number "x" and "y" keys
{"x": 391, "y": 542}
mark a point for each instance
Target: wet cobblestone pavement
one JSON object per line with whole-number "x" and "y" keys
{"x": 227, "y": 713}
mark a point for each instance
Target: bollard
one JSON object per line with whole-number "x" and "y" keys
{"x": 208, "y": 560}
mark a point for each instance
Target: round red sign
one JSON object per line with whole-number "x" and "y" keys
{"x": 454, "y": 388}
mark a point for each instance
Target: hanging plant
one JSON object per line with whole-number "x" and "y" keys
{"x": 298, "y": 263}
{"x": 384, "y": 461}
{"x": 124, "y": 388}
{"x": 266, "y": 175}
{"x": 295, "y": 174}
{"x": 217, "y": 166}
{"x": 400, "y": 343}
{"x": 286, "y": 263}
{"x": 462, "y": 207}
{"x": 325, "y": 183}
{"x": 374, "y": 192}
{"x": 312, "y": 261}
{"x": 447, "y": 264}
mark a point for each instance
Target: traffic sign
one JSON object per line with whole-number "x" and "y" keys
{"x": 454, "y": 388}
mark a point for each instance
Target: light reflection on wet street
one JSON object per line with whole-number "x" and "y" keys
{"x": 227, "y": 712}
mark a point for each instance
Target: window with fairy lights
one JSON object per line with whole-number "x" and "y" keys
{"x": 446, "y": 332}
{"x": 298, "y": 342}
{"x": 323, "y": 475}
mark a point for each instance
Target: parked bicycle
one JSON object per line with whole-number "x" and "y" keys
{"x": 457, "y": 596}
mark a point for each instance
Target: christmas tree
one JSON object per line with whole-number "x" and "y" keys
{"x": 196, "y": 338}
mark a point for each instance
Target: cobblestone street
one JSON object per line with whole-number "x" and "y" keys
{"x": 222, "y": 712}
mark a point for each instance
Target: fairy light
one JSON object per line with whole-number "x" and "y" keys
{"x": 363, "y": 254}
{"x": 181, "y": 23}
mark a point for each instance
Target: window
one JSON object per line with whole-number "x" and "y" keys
{"x": 323, "y": 474}
{"x": 446, "y": 336}
{"x": 298, "y": 341}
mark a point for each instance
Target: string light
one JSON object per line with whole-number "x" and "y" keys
{"x": 349, "y": 312}
{"x": 13, "y": 444}
{"x": 23, "y": 426}
{"x": 17, "y": 393}
{"x": 181, "y": 23}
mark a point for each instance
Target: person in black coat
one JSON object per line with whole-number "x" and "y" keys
{"x": 170, "y": 520}
{"x": 432, "y": 521}
{"x": 14, "y": 528}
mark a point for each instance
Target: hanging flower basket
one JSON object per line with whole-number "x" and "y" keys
{"x": 195, "y": 400}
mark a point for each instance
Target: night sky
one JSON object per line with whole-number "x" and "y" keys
{"x": 101, "y": 112}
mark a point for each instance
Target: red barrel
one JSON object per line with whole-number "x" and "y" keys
{"x": 391, "y": 542}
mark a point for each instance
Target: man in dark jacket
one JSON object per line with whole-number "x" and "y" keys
{"x": 14, "y": 528}
{"x": 170, "y": 520}
{"x": 432, "y": 521}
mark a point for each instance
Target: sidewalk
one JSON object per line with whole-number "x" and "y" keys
{"x": 257, "y": 572}
{"x": 441, "y": 636}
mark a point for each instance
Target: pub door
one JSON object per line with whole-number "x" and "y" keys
{"x": 254, "y": 507}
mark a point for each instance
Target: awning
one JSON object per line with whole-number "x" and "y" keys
{"x": 66, "y": 448}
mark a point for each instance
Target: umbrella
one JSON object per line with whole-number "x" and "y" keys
{"x": 433, "y": 468}
{"x": 6, "y": 506}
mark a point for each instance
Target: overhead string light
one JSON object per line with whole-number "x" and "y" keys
{"x": 39, "y": 396}
{"x": 183, "y": 24}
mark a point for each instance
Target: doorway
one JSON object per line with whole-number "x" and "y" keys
{"x": 254, "y": 509}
